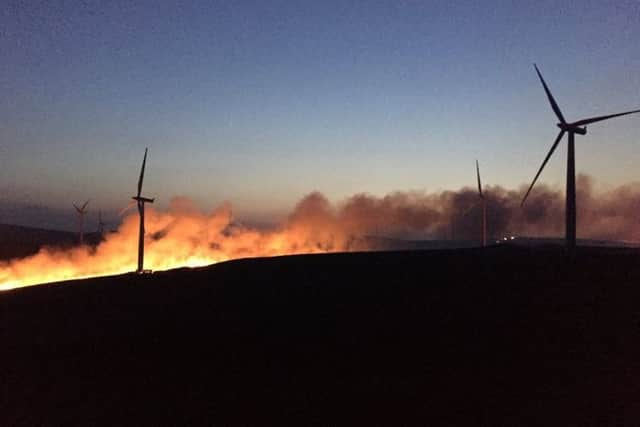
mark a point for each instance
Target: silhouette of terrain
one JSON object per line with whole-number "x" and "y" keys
{"x": 18, "y": 241}
{"x": 380, "y": 243}
{"x": 508, "y": 335}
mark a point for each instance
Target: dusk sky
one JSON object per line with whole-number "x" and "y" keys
{"x": 261, "y": 102}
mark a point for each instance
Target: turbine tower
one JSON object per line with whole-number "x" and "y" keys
{"x": 101, "y": 224}
{"x": 82, "y": 211}
{"x": 573, "y": 128}
{"x": 141, "y": 201}
{"x": 484, "y": 207}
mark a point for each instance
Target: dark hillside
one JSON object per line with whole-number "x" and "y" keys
{"x": 18, "y": 242}
{"x": 502, "y": 336}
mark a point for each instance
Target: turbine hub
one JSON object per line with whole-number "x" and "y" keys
{"x": 141, "y": 199}
{"x": 568, "y": 127}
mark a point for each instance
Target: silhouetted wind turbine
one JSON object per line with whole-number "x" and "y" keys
{"x": 101, "y": 223}
{"x": 571, "y": 129}
{"x": 484, "y": 207}
{"x": 141, "y": 201}
{"x": 81, "y": 213}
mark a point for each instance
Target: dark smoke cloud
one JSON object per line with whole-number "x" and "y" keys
{"x": 609, "y": 215}
{"x": 606, "y": 215}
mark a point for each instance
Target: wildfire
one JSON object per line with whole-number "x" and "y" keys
{"x": 180, "y": 237}
{"x": 183, "y": 236}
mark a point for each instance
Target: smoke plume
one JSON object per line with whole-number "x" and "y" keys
{"x": 185, "y": 236}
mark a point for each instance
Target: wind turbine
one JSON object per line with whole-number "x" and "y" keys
{"x": 571, "y": 129}
{"x": 484, "y": 207}
{"x": 81, "y": 213}
{"x": 101, "y": 223}
{"x": 470, "y": 208}
{"x": 141, "y": 201}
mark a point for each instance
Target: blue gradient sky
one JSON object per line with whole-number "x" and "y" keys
{"x": 260, "y": 102}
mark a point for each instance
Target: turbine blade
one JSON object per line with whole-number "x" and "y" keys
{"x": 552, "y": 101}
{"x": 131, "y": 204}
{"x": 76, "y": 206}
{"x": 144, "y": 161}
{"x": 546, "y": 159}
{"x": 85, "y": 205}
{"x": 601, "y": 118}
{"x": 479, "y": 183}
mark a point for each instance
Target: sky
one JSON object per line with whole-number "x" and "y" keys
{"x": 261, "y": 102}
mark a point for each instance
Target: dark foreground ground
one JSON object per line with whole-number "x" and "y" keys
{"x": 502, "y": 336}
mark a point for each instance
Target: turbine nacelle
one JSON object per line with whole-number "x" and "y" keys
{"x": 81, "y": 209}
{"x": 142, "y": 199}
{"x": 568, "y": 127}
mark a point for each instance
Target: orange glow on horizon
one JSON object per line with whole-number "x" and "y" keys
{"x": 180, "y": 237}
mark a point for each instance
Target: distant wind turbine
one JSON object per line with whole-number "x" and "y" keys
{"x": 101, "y": 223}
{"x": 472, "y": 207}
{"x": 82, "y": 211}
{"x": 141, "y": 201}
{"x": 571, "y": 129}
{"x": 484, "y": 207}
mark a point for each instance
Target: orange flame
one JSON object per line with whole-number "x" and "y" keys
{"x": 182, "y": 236}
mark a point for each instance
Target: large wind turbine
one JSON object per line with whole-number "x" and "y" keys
{"x": 82, "y": 211}
{"x": 571, "y": 129}
{"x": 484, "y": 207}
{"x": 141, "y": 201}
